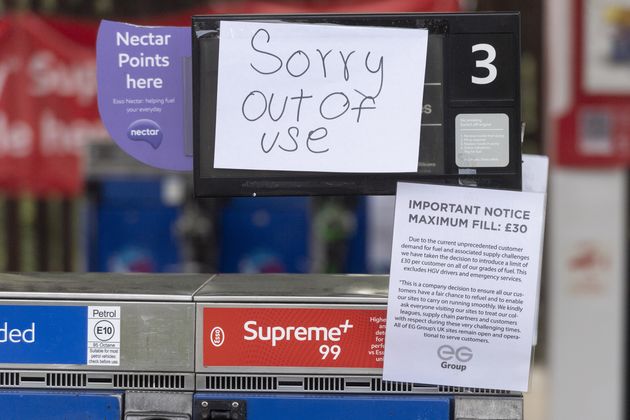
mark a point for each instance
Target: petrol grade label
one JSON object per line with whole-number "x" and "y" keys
{"x": 103, "y": 333}
{"x": 293, "y": 337}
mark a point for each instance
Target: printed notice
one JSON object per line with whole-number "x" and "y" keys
{"x": 324, "y": 98}
{"x": 463, "y": 286}
{"x": 103, "y": 336}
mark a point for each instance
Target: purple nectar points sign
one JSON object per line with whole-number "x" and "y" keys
{"x": 142, "y": 96}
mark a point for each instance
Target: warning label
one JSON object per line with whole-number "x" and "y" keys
{"x": 103, "y": 336}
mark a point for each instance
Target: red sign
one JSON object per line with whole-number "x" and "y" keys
{"x": 344, "y": 6}
{"x": 293, "y": 337}
{"x": 593, "y": 127}
{"x": 47, "y": 107}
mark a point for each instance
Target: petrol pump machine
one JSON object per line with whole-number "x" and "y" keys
{"x": 311, "y": 346}
{"x": 233, "y": 346}
{"x": 82, "y": 346}
{"x": 239, "y": 346}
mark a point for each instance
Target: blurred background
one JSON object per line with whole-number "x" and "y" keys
{"x": 70, "y": 200}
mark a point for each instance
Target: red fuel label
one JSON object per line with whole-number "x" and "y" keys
{"x": 293, "y": 337}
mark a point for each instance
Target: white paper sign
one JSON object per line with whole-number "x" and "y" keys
{"x": 325, "y": 98}
{"x": 535, "y": 174}
{"x": 463, "y": 281}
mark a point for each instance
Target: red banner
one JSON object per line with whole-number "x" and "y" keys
{"x": 47, "y": 107}
{"x": 294, "y": 337}
{"x": 347, "y": 6}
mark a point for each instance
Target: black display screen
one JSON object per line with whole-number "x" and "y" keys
{"x": 471, "y": 80}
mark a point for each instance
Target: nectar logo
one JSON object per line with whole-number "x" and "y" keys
{"x": 145, "y": 130}
{"x": 217, "y": 336}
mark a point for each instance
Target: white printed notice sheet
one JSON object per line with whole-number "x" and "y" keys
{"x": 463, "y": 286}
{"x": 315, "y": 97}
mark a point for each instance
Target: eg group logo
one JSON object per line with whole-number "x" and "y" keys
{"x": 217, "y": 336}
{"x": 448, "y": 354}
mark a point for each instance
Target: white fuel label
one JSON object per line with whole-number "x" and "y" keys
{"x": 482, "y": 140}
{"x": 103, "y": 336}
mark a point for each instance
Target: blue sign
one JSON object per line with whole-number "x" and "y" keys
{"x": 337, "y": 407}
{"x": 43, "y": 334}
{"x": 60, "y": 405}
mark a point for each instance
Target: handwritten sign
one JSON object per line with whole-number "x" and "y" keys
{"x": 463, "y": 286}
{"x": 321, "y": 98}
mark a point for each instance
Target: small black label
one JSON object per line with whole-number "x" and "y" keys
{"x": 482, "y": 67}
